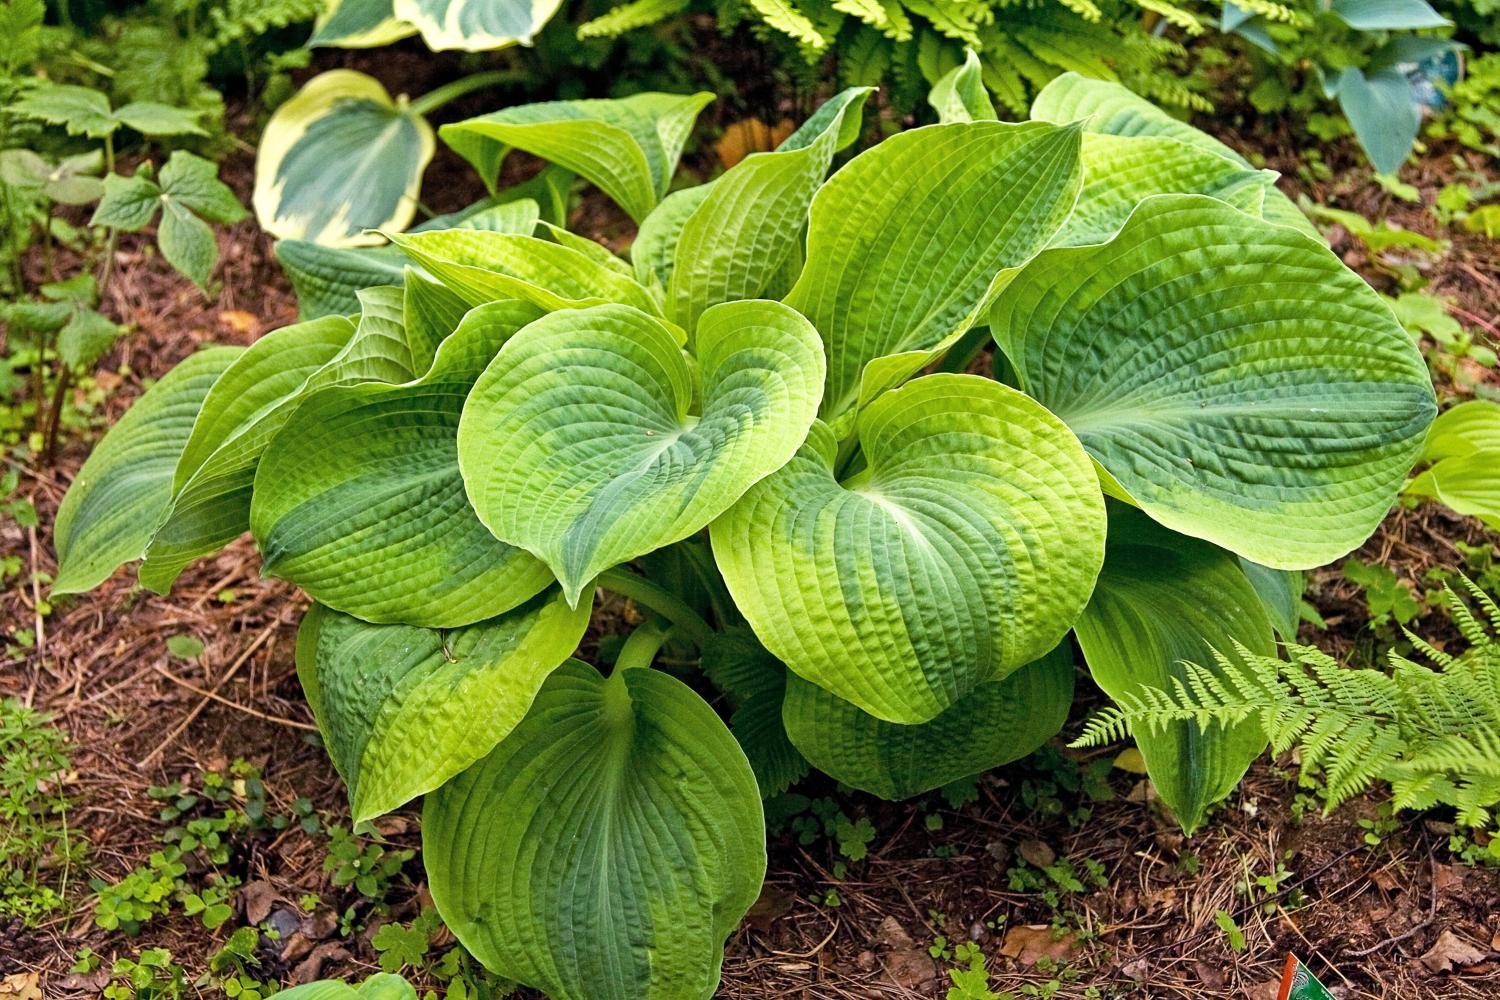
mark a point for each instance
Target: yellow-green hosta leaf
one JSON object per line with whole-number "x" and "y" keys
{"x": 358, "y": 24}
{"x": 590, "y": 439}
{"x": 1463, "y": 430}
{"x": 381, "y": 986}
{"x": 339, "y": 159}
{"x": 1464, "y": 447}
{"x": 628, "y": 147}
{"x": 1231, "y": 376}
{"x": 476, "y": 25}
{"x": 403, "y": 709}
{"x": 906, "y": 239}
{"x": 963, "y": 551}
{"x": 121, "y": 494}
{"x": 960, "y": 94}
{"x": 607, "y": 847}
{"x": 210, "y": 504}
{"x": 358, "y": 499}
{"x": 1164, "y": 599}
{"x": 431, "y": 311}
{"x": 997, "y": 722}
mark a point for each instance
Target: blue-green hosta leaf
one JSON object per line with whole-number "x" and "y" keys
{"x": 1112, "y": 109}
{"x": 484, "y": 266}
{"x": 997, "y": 722}
{"x": 338, "y": 159}
{"x": 327, "y": 278}
{"x": 358, "y": 24}
{"x": 906, "y": 239}
{"x": 590, "y": 440}
{"x": 741, "y": 233}
{"x": 960, "y": 94}
{"x": 476, "y": 25}
{"x": 1383, "y": 110}
{"x": 403, "y": 709}
{"x": 628, "y": 147}
{"x": 963, "y": 551}
{"x": 736, "y": 662}
{"x": 1464, "y": 447}
{"x": 121, "y": 493}
{"x": 249, "y": 403}
{"x": 358, "y": 499}
{"x": 1280, "y": 593}
{"x": 1389, "y": 15}
{"x": 1231, "y": 376}
{"x": 606, "y": 848}
{"x": 1164, "y": 599}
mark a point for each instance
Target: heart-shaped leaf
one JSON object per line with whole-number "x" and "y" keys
{"x": 607, "y": 847}
{"x": 476, "y": 25}
{"x": 964, "y": 550}
{"x": 358, "y": 24}
{"x": 358, "y": 499}
{"x": 585, "y": 443}
{"x": 1235, "y": 380}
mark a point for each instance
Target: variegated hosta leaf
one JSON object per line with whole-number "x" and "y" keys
{"x": 476, "y": 25}
{"x": 358, "y": 499}
{"x": 960, "y": 94}
{"x": 483, "y": 266}
{"x": 906, "y": 239}
{"x": 1112, "y": 109}
{"x": 358, "y": 24}
{"x": 963, "y": 551}
{"x": 338, "y": 159}
{"x": 1164, "y": 599}
{"x": 121, "y": 494}
{"x": 590, "y": 440}
{"x": 1231, "y": 376}
{"x": 1119, "y": 171}
{"x": 628, "y": 147}
{"x": 744, "y": 228}
{"x": 249, "y": 403}
{"x": 403, "y": 709}
{"x": 607, "y": 847}
{"x": 997, "y": 722}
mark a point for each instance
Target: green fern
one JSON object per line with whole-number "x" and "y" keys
{"x": 1432, "y": 734}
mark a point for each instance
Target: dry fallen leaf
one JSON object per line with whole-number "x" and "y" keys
{"x": 1030, "y": 943}
{"x": 239, "y": 321}
{"x": 772, "y": 904}
{"x": 256, "y": 897}
{"x": 750, "y": 135}
{"x": 1451, "y": 950}
{"x": 21, "y": 986}
{"x": 1037, "y": 853}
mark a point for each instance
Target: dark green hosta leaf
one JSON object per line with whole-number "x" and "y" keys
{"x": 1164, "y": 599}
{"x": 1235, "y": 380}
{"x": 121, "y": 493}
{"x": 1388, "y": 15}
{"x": 1383, "y": 110}
{"x": 997, "y": 722}
{"x": 403, "y": 709}
{"x": 627, "y": 147}
{"x": 606, "y": 848}
{"x": 755, "y": 680}
{"x": 476, "y": 25}
{"x": 1280, "y": 593}
{"x": 591, "y": 440}
{"x": 339, "y": 159}
{"x": 963, "y": 551}
{"x": 960, "y": 94}
{"x": 359, "y": 501}
{"x": 907, "y": 238}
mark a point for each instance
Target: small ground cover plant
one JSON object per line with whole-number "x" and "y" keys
{"x": 878, "y": 569}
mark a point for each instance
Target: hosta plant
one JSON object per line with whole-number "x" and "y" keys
{"x": 883, "y": 572}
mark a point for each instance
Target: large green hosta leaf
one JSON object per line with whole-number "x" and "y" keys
{"x": 963, "y": 551}
{"x": 606, "y": 848}
{"x": 627, "y": 147}
{"x": 476, "y": 25}
{"x": 358, "y": 499}
{"x": 1164, "y": 599}
{"x": 996, "y": 723}
{"x": 907, "y": 238}
{"x": 121, "y": 494}
{"x": 1235, "y": 380}
{"x": 404, "y": 709}
{"x": 327, "y": 278}
{"x": 590, "y": 440}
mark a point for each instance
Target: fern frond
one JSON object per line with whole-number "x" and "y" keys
{"x": 629, "y": 16}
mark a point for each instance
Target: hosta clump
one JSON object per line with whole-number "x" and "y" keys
{"x": 879, "y": 568}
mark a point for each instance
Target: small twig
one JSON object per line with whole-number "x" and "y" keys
{"x": 234, "y": 667}
{"x": 36, "y": 605}
{"x": 293, "y": 723}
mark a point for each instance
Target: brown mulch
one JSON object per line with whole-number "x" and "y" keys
{"x": 1363, "y": 916}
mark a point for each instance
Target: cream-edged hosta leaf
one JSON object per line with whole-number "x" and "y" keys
{"x": 403, "y": 709}
{"x": 960, "y": 94}
{"x": 358, "y": 499}
{"x": 628, "y": 147}
{"x": 249, "y": 403}
{"x": 590, "y": 440}
{"x": 327, "y": 278}
{"x": 906, "y": 239}
{"x": 607, "y": 847}
{"x": 1120, "y": 171}
{"x": 741, "y": 233}
{"x": 997, "y": 722}
{"x": 338, "y": 159}
{"x": 1231, "y": 376}
{"x": 1111, "y": 108}
{"x": 1163, "y": 600}
{"x": 483, "y": 266}
{"x": 358, "y": 24}
{"x": 964, "y": 549}
{"x": 120, "y": 495}
{"x": 476, "y": 25}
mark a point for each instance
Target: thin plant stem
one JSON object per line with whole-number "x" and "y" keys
{"x": 641, "y": 646}
{"x": 647, "y": 594}
{"x": 434, "y": 99}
